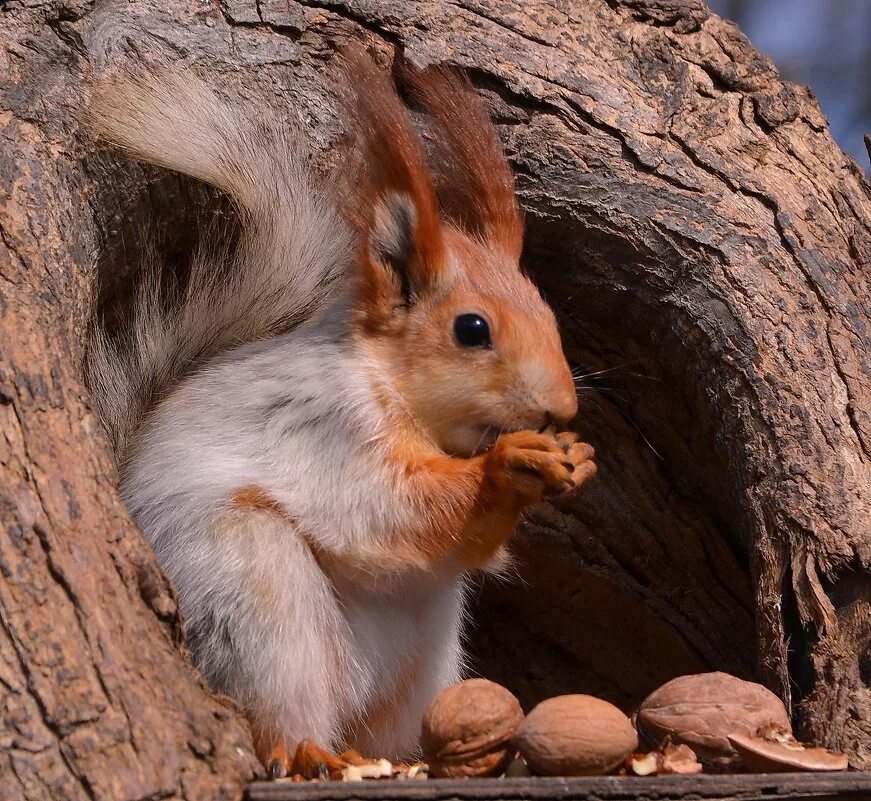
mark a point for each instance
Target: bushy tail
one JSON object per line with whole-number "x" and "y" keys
{"x": 293, "y": 247}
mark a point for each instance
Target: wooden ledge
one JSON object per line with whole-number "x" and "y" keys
{"x": 847, "y": 786}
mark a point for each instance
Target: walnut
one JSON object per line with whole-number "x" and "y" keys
{"x": 702, "y": 710}
{"x": 468, "y": 728}
{"x": 575, "y": 735}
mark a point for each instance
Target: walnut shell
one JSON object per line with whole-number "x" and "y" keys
{"x": 703, "y": 709}
{"x": 575, "y": 735}
{"x": 468, "y": 728}
{"x": 763, "y": 755}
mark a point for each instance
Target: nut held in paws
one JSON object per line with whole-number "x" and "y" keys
{"x": 575, "y": 735}
{"x": 468, "y": 728}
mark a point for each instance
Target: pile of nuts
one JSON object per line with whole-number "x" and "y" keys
{"x": 710, "y": 722}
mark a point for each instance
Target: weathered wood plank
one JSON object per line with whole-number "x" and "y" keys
{"x": 760, "y": 787}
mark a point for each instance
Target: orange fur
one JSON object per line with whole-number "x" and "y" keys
{"x": 254, "y": 498}
{"x": 272, "y": 751}
{"x": 442, "y": 386}
{"x": 468, "y": 508}
{"x": 394, "y": 166}
{"x": 476, "y": 187}
{"x": 430, "y": 388}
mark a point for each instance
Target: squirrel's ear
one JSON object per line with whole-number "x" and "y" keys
{"x": 475, "y": 183}
{"x": 398, "y": 213}
{"x": 395, "y": 273}
{"x": 391, "y": 244}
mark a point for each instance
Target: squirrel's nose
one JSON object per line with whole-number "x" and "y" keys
{"x": 563, "y": 405}
{"x": 554, "y": 396}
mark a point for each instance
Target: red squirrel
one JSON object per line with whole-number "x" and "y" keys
{"x": 342, "y": 414}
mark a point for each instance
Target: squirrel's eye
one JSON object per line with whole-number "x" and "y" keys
{"x": 472, "y": 331}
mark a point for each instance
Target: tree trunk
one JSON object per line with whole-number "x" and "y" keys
{"x": 707, "y": 248}
{"x": 97, "y": 702}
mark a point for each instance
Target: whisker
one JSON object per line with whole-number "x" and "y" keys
{"x": 624, "y": 415}
{"x": 618, "y": 375}
{"x": 481, "y": 439}
{"x": 641, "y": 434}
{"x": 577, "y": 373}
{"x": 581, "y": 387}
{"x": 608, "y": 369}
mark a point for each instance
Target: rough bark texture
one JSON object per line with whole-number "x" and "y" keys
{"x": 96, "y": 701}
{"x": 702, "y": 238}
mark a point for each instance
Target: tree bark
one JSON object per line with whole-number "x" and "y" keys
{"x": 704, "y": 242}
{"x": 96, "y": 700}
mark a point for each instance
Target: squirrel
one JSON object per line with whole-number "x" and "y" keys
{"x": 343, "y": 414}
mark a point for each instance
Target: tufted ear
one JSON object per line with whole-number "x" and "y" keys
{"x": 402, "y": 254}
{"x": 476, "y": 185}
{"x": 391, "y": 244}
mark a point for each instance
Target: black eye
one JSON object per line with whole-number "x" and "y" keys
{"x": 472, "y": 331}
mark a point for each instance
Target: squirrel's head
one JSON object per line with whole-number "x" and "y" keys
{"x": 469, "y": 347}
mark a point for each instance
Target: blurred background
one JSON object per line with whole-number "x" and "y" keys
{"x": 825, "y": 44}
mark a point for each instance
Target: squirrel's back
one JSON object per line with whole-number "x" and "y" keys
{"x": 293, "y": 245}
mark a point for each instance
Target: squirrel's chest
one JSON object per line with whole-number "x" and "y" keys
{"x": 400, "y": 653}
{"x": 396, "y": 632}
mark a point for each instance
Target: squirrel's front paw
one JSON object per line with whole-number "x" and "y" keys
{"x": 536, "y": 465}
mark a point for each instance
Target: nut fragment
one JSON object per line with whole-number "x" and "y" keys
{"x": 680, "y": 760}
{"x": 467, "y": 729}
{"x": 670, "y": 759}
{"x": 517, "y": 768}
{"x": 575, "y": 735}
{"x": 643, "y": 764}
{"x": 763, "y": 755}
{"x": 381, "y": 769}
{"x": 702, "y": 710}
{"x": 418, "y": 771}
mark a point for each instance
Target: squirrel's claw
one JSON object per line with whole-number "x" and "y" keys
{"x": 279, "y": 762}
{"x": 275, "y": 770}
{"x": 536, "y": 465}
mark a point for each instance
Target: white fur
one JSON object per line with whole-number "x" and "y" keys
{"x": 296, "y": 417}
{"x": 305, "y": 647}
{"x": 294, "y": 245}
